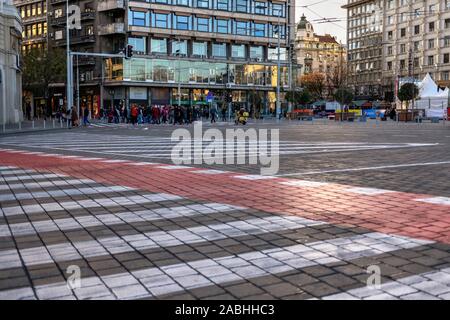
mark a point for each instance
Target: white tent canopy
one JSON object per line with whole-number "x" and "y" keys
{"x": 432, "y": 98}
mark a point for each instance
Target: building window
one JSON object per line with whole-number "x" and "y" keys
{"x": 430, "y": 60}
{"x": 203, "y": 24}
{"x": 179, "y": 48}
{"x": 182, "y": 22}
{"x": 447, "y": 23}
{"x": 256, "y": 52}
{"x": 223, "y": 5}
{"x": 241, "y": 28}
{"x": 431, "y": 27}
{"x": 202, "y": 3}
{"x": 199, "y": 49}
{"x": 259, "y": 30}
{"x": 402, "y": 32}
{"x": 159, "y": 46}
{"x": 219, "y": 50}
{"x": 446, "y": 58}
{"x": 183, "y": 2}
{"x": 139, "y": 44}
{"x": 260, "y": 7}
{"x": 140, "y": 19}
{"x": 241, "y": 5}
{"x": 277, "y": 10}
{"x": 417, "y": 29}
{"x": 238, "y": 51}
{"x": 222, "y": 26}
{"x": 430, "y": 43}
{"x": 161, "y": 20}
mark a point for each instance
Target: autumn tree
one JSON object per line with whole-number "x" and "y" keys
{"x": 314, "y": 83}
{"x": 41, "y": 68}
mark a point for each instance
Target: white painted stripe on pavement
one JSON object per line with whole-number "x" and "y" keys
{"x": 424, "y": 286}
{"x": 304, "y": 183}
{"x": 436, "y": 200}
{"x": 46, "y": 184}
{"x": 211, "y": 172}
{"x": 254, "y": 177}
{"x": 63, "y": 193}
{"x": 89, "y": 203}
{"x": 365, "y": 168}
{"x": 29, "y": 228}
{"x": 217, "y": 271}
{"x": 368, "y": 191}
{"x": 16, "y": 171}
{"x": 169, "y": 167}
{"x": 33, "y": 177}
{"x": 149, "y": 240}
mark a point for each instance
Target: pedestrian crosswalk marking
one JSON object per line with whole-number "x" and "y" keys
{"x": 79, "y": 222}
{"x": 63, "y": 192}
{"x": 89, "y": 203}
{"x": 149, "y": 240}
{"x": 417, "y": 287}
{"x": 179, "y": 277}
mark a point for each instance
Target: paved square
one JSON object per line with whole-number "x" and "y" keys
{"x": 349, "y": 201}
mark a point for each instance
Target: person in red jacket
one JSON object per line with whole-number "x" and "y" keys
{"x": 134, "y": 114}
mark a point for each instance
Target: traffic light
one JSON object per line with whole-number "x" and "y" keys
{"x": 128, "y": 51}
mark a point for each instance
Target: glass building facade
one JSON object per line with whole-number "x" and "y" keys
{"x": 184, "y": 49}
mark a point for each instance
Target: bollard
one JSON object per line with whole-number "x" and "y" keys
{"x": 32, "y": 124}
{"x": 53, "y": 123}
{"x": 44, "y": 123}
{"x": 20, "y": 125}
{"x": 60, "y": 122}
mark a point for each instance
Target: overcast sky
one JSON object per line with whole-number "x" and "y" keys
{"x": 327, "y": 9}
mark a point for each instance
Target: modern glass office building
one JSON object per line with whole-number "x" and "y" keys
{"x": 187, "y": 49}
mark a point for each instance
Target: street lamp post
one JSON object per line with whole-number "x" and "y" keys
{"x": 68, "y": 62}
{"x": 178, "y": 54}
{"x": 278, "y": 102}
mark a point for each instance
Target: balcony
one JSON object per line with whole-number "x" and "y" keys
{"x": 86, "y": 39}
{"x": 84, "y": 61}
{"x": 107, "y": 5}
{"x": 61, "y": 21}
{"x": 111, "y": 29}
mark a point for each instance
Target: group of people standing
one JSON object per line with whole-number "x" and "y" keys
{"x": 158, "y": 114}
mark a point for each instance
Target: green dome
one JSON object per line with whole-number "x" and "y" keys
{"x": 302, "y": 24}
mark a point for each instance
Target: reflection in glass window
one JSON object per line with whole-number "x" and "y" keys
{"x": 179, "y": 48}
{"x": 256, "y": 52}
{"x": 238, "y": 51}
{"x": 259, "y": 30}
{"x": 241, "y": 5}
{"x": 202, "y": 3}
{"x": 161, "y": 20}
{"x": 222, "y": 26}
{"x": 199, "y": 49}
{"x": 137, "y": 18}
{"x": 182, "y": 22}
{"x": 273, "y": 54}
{"x": 159, "y": 46}
{"x": 241, "y": 27}
{"x": 203, "y": 24}
{"x": 219, "y": 50}
{"x": 223, "y": 4}
{"x": 277, "y": 9}
{"x": 138, "y": 44}
{"x": 260, "y": 7}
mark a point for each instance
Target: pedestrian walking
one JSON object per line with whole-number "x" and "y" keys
{"x": 134, "y": 114}
{"x": 86, "y": 116}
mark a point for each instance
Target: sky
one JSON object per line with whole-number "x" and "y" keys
{"x": 317, "y": 9}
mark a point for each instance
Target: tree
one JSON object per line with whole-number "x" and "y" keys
{"x": 298, "y": 97}
{"x": 41, "y": 68}
{"x": 314, "y": 83}
{"x": 343, "y": 96}
{"x": 408, "y": 91}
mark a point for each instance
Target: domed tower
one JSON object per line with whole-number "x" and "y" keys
{"x": 304, "y": 29}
